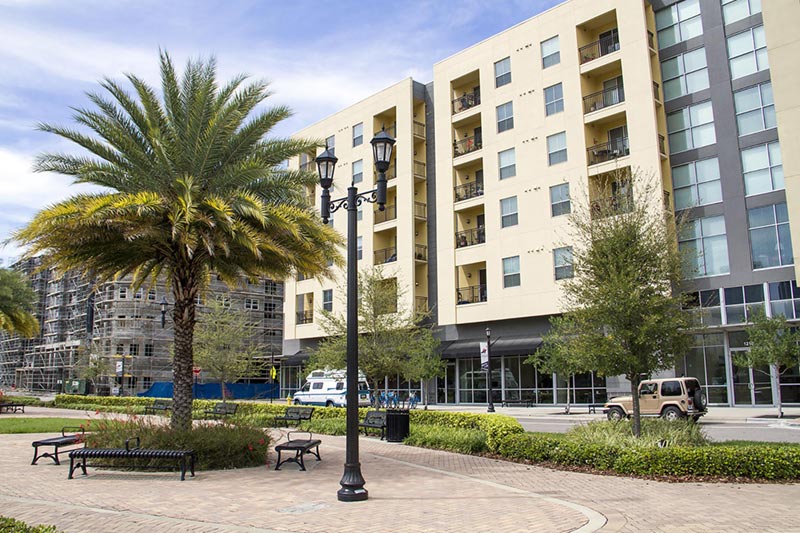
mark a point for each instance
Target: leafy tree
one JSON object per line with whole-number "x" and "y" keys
{"x": 772, "y": 342}
{"x": 622, "y": 314}
{"x": 555, "y": 358}
{"x": 391, "y": 336}
{"x": 224, "y": 344}
{"x": 17, "y": 299}
{"x": 193, "y": 185}
{"x": 90, "y": 366}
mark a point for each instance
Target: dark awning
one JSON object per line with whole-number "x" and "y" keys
{"x": 297, "y": 359}
{"x": 500, "y": 346}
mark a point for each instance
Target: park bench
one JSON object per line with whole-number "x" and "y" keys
{"x": 221, "y": 410}
{"x": 161, "y": 406}
{"x": 300, "y": 447}
{"x": 375, "y": 420}
{"x": 509, "y": 403}
{"x": 185, "y": 458}
{"x": 11, "y": 407}
{"x": 295, "y": 415}
{"x": 70, "y": 436}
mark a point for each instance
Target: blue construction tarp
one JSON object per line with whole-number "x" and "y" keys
{"x": 212, "y": 391}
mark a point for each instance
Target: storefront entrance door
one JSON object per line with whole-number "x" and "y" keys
{"x": 751, "y": 386}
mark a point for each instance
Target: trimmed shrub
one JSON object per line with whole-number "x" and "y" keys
{"x": 461, "y": 440}
{"x": 528, "y": 447}
{"x": 655, "y": 432}
{"x": 11, "y": 525}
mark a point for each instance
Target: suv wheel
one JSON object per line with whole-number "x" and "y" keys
{"x": 671, "y": 412}
{"x": 616, "y": 413}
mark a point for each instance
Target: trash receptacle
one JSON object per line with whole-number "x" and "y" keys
{"x": 397, "y": 424}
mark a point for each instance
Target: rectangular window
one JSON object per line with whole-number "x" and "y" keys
{"x": 747, "y": 52}
{"x": 733, "y": 10}
{"x": 755, "y": 109}
{"x": 704, "y": 246}
{"x": 553, "y": 99}
{"x": 678, "y": 23}
{"x": 251, "y": 303}
{"x": 151, "y": 295}
{"x": 770, "y": 242}
{"x": 327, "y": 299}
{"x": 123, "y": 293}
{"x": 330, "y": 143}
{"x": 784, "y": 297}
{"x": 148, "y": 350}
{"x": 763, "y": 168}
{"x": 507, "y": 162}
{"x": 505, "y": 117}
{"x": 691, "y": 127}
{"x": 685, "y": 74}
{"x": 557, "y": 148}
{"x": 502, "y": 72}
{"x": 697, "y": 183}
{"x": 550, "y": 52}
{"x": 559, "y": 200}
{"x": 134, "y": 349}
{"x": 139, "y": 294}
{"x": 740, "y": 303}
{"x": 562, "y": 259}
{"x": 360, "y": 247}
{"x": 358, "y": 134}
{"x": 360, "y": 213}
{"x": 511, "y": 272}
{"x": 358, "y": 171}
{"x": 508, "y": 212}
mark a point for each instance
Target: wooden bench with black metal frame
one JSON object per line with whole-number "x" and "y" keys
{"x": 70, "y": 436}
{"x": 11, "y": 407}
{"x": 375, "y": 420}
{"x": 158, "y": 406}
{"x": 221, "y": 410}
{"x": 300, "y": 447}
{"x": 509, "y": 403}
{"x": 295, "y": 415}
{"x": 185, "y": 458}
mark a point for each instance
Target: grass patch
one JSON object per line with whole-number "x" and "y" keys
{"x": 655, "y": 433}
{"x": 39, "y": 425}
{"x": 11, "y": 525}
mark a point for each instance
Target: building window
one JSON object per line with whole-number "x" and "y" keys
{"x": 358, "y": 134}
{"x": 697, "y": 183}
{"x": 330, "y": 142}
{"x": 134, "y": 349}
{"x": 557, "y": 148}
{"x": 562, "y": 259}
{"x": 755, "y": 109}
{"x": 742, "y": 302}
{"x": 139, "y": 294}
{"x": 505, "y": 117}
{"x": 550, "y": 52}
{"x": 511, "y": 272}
{"x": 685, "y": 74}
{"x": 553, "y": 99}
{"x": 507, "y": 162}
{"x": 733, "y": 10}
{"x": 327, "y": 299}
{"x": 784, "y": 299}
{"x": 151, "y": 295}
{"x": 763, "y": 168}
{"x": 360, "y": 213}
{"x": 148, "y": 350}
{"x": 559, "y": 200}
{"x": 747, "y": 52}
{"x": 770, "y": 241}
{"x": 704, "y": 246}
{"x": 706, "y": 307}
{"x": 502, "y": 72}
{"x": 252, "y": 303}
{"x": 678, "y": 23}
{"x": 360, "y": 247}
{"x": 358, "y": 171}
{"x": 123, "y": 293}
{"x": 691, "y": 127}
{"x": 508, "y": 212}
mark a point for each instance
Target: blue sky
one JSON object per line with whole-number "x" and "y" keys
{"x": 320, "y": 56}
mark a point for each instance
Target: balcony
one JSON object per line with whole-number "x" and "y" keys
{"x": 467, "y": 191}
{"x": 602, "y": 99}
{"x": 305, "y": 317}
{"x": 597, "y": 49}
{"x": 651, "y": 42}
{"x": 471, "y": 237}
{"x": 466, "y": 101}
{"x": 308, "y": 166}
{"x": 471, "y": 295}
{"x": 656, "y": 92}
{"x": 420, "y": 170}
{"x": 385, "y": 255}
{"x": 616, "y": 204}
{"x": 600, "y": 153}
{"x": 662, "y": 146}
{"x": 421, "y": 210}
{"x": 466, "y": 146}
{"x": 421, "y": 304}
{"x": 391, "y": 173}
{"x": 389, "y": 213}
{"x": 419, "y": 129}
{"x": 420, "y": 252}
{"x": 391, "y": 129}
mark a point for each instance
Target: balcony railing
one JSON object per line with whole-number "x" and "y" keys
{"x": 389, "y": 213}
{"x": 421, "y": 304}
{"x": 651, "y": 41}
{"x": 305, "y": 317}
{"x": 601, "y": 153}
{"x": 419, "y": 129}
{"x": 421, "y": 210}
{"x": 656, "y": 92}
{"x": 386, "y": 255}
{"x": 662, "y": 145}
{"x": 605, "y": 98}
{"x": 391, "y": 173}
{"x": 471, "y": 295}
{"x": 420, "y": 170}
{"x": 391, "y": 129}
{"x": 597, "y": 49}
{"x": 466, "y": 101}
{"x": 470, "y": 237}
{"x": 468, "y": 190}
{"x": 612, "y": 205}
{"x": 420, "y": 252}
{"x": 465, "y": 146}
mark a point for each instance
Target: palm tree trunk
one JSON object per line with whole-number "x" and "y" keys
{"x": 183, "y": 315}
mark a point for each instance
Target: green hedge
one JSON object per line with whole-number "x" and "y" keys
{"x": 11, "y": 525}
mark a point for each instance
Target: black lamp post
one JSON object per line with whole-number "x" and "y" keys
{"x": 163, "y": 311}
{"x": 352, "y": 481}
{"x": 490, "y": 408}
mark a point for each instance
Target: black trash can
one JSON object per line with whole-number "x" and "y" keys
{"x": 397, "y": 424}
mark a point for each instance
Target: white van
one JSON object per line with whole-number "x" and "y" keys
{"x": 329, "y": 388}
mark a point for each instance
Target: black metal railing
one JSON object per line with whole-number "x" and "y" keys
{"x": 466, "y": 145}
{"x": 601, "y": 153}
{"x": 470, "y": 237}
{"x": 420, "y": 210}
{"x": 471, "y": 295}
{"x": 605, "y": 98}
{"x": 389, "y": 213}
{"x": 597, "y": 49}
{"x": 656, "y": 92}
{"x": 662, "y": 145}
{"x": 385, "y": 255}
{"x": 419, "y": 129}
{"x": 420, "y": 170}
{"x": 612, "y": 205}
{"x": 651, "y": 41}
{"x": 420, "y": 252}
{"x": 466, "y": 101}
{"x": 390, "y": 129}
{"x": 305, "y": 317}
{"x": 468, "y": 190}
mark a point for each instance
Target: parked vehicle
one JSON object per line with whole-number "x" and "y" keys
{"x": 329, "y": 388}
{"x": 670, "y": 398}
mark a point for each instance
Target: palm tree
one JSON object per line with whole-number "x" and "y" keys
{"x": 194, "y": 187}
{"x": 16, "y": 303}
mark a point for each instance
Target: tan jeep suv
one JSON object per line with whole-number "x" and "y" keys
{"x": 670, "y": 398}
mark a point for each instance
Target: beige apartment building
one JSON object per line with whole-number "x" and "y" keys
{"x": 547, "y": 117}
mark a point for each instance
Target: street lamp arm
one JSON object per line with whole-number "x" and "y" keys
{"x": 342, "y": 203}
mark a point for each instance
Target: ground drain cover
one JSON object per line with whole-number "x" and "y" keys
{"x": 302, "y": 508}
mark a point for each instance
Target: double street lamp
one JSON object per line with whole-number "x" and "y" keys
{"x": 352, "y": 482}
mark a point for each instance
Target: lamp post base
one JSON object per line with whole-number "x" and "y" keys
{"x": 352, "y": 485}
